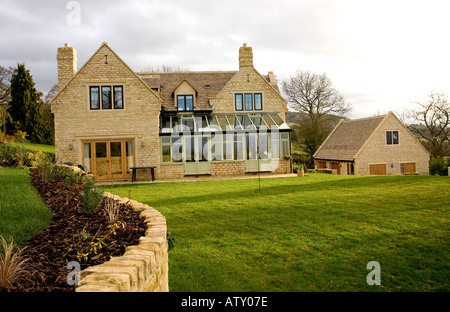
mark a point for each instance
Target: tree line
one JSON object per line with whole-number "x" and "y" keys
{"x": 22, "y": 108}
{"x": 319, "y": 107}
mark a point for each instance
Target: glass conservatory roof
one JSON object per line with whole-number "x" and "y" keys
{"x": 222, "y": 122}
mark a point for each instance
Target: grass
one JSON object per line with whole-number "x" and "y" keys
{"x": 315, "y": 233}
{"x": 22, "y": 211}
{"x": 50, "y": 149}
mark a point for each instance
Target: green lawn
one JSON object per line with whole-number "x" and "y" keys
{"x": 22, "y": 211}
{"x": 38, "y": 147}
{"x": 315, "y": 233}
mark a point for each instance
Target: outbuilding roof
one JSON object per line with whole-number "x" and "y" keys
{"x": 347, "y": 138}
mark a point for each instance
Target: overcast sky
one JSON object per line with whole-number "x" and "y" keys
{"x": 379, "y": 54}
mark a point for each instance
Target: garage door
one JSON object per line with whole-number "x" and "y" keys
{"x": 336, "y": 167}
{"x": 408, "y": 168}
{"x": 378, "y": 169}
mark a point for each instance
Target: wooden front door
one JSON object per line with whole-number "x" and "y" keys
{"x": 109, "y": 159}
{"x": 378, "y": 169}
{"x": 408, "y": 168}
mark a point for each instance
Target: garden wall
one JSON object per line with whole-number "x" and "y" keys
{"x": 142, "y": 268}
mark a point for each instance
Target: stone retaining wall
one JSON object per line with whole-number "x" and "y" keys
{"x": 142, "y": 268}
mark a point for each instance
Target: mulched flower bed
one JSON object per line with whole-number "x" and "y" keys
{"x": 52, "y": 249}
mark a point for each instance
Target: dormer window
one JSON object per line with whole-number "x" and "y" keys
{"x": 185, "y": 103}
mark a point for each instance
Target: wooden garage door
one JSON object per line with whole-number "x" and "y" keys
{"x": 378, "y": 169}
{"x": 408, "y": 167}
{"x": 337, "y": 167}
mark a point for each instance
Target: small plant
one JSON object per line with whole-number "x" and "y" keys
{"x": 111, "y": 209}
{"x": 297, "y": 167}
{"x": 12, "y": 264}
{"x": 96, "y": 243}
{"x": 92, "y": 195}
{"x": 171, "y": 240}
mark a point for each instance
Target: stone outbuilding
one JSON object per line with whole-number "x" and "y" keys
{"x": 379, "y": 145}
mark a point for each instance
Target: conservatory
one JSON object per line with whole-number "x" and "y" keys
{"x": 252, "y": 142}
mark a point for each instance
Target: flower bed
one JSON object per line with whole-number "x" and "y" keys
{"x": 90, "y": 237}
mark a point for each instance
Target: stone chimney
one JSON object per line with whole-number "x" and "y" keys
{"x": 245, "y": 56}
{"x": 67, "y": 65}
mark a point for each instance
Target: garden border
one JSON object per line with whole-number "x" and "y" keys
{"x": 142, "y": 268}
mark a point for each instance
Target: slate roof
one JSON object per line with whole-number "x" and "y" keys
{"x": 347, "y": 138}
{"x": 207, "y": 84}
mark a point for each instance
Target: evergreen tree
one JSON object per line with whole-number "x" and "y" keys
{"x": 26, "y": 108}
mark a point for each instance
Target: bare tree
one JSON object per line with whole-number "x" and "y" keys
{"x": 50, "y": 95}
{"x": 430, "y": 121}
{"x": 166, "y": 69}
{"x": 318, "y": 102}
{"x": 5, "y": 93}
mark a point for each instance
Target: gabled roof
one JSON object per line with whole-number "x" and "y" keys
{"x": 104, "y": 45}
{"x": 207, "y": 85}
{"x": 347, "y": 138}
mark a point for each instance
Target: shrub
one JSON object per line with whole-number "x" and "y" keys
{"x": 16, "y": 156}
{"x": 171, "y": 240}
{"x": 438, "y": 166}
{"x": 19, "y": 136}
{"x": 11, "y": 155}
{"x": 92, "y": 195}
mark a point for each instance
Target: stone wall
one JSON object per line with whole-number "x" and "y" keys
{"x": 171, "y": 171}
{"x": 228, "y": 168}
{"x": 142, "y": 268}
{"x": 281, "y": 166}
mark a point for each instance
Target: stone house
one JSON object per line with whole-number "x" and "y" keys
{"x": 372, "y": 146}
{"x": 110, "y": 119}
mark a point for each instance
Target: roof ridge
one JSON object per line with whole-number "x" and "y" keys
{"x": 188, "y": 72}
{"x": 366, "y": 118}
